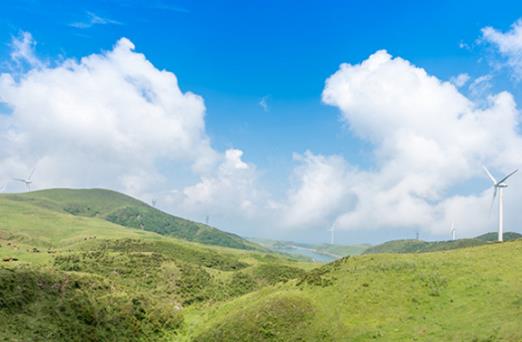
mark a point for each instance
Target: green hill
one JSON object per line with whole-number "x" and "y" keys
{"x": 66, "y": 277}
{"x": 419, "y": 246}
{"x": 83, "y": 278}
{"x": 129, "y": 212}
{"x": 469, "y": 294}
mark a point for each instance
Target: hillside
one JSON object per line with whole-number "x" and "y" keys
{"x": 320, "y": 252}
{"x": 128, "y": 212}
{"x": 81, "y": 278}
{"x": 419, "y": 246}
{"x": 469, "y": 294}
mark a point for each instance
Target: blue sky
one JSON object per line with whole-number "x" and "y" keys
{"x": 236, "y": 53}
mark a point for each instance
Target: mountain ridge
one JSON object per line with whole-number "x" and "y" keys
{"x": 130, "y": 212}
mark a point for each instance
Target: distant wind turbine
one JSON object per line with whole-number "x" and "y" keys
{"x": 153, "y": 203}
{"x": 499, "y": 186}
{"x": 27, "y": 181}
{"x": 332, "y": 234}
{"x": 453, "y": 232}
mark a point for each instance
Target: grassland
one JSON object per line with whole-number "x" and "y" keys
{"x": 470, "y": 294}
{"x": 419, "y": 246}
{"x": 65, "y": 276}
{"x": 128, "y": 212}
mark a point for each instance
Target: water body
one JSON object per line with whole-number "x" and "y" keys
{"x": 307, "y": 252}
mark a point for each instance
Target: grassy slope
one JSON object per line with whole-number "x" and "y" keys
{"x": 83, "y": 278}
{"x": 129, "y": 212}
{"x": 469, "y": 294}
{"x": 419, "y": 246}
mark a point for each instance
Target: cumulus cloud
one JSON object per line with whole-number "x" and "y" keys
{"x": 320, "y": 190}
{"x": 428, "y": 139}
{"x": 107, "y": 119}
{"x": 509, "y": 45}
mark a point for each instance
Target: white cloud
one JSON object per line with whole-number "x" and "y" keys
{"x": 428, "y": 139}
{"x": 263, "y": 103}
{"x": 92, "y": 20}
{"x": 480, "y": 86}
{"x": 509, "y": 45}
{"x": 105, "y": 120}
{"x": 22, "y": 50}
{"x": 460, "y": 80}
{"x": 320, "y": 190}
{"x": 230, "y": 195}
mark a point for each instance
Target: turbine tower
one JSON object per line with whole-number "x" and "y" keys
{"x": 499, "y": 186}
{"x": 453, "y": 232}
{"x": 332, "y": 234}
{"x": 27, "y": 181}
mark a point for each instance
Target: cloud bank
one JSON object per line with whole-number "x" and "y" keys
{"x": 114, "y": 120}
{"x": 428, "y": 139}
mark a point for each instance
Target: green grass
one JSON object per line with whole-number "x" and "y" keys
{"x": 128, "y": 212}
{"x": 469, "y": 294}
{"x": 419, "y": 246}
{"x": 80, "y": 277}
{"x": 83, "y": 278}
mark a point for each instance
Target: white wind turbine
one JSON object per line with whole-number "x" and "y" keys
{"x": 499, "y": 186}
{"x": 332, "y": 234}
{"x": 453, "y": 232}
{"x": 27, "y": 181}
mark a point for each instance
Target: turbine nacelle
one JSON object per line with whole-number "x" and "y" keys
{"x": 27, "y": 181}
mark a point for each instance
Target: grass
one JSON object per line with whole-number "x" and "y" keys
{"x": 419, "y": 246}
{"x": 128, "y": 212}
{"x": 82, "y": 278}
{"x": 462, "y": 295}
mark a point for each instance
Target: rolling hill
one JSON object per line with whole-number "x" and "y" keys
{"x": 419, "y": 246}
{"x": 65, "y": 276}
{"x": 469, "y": 294}
{"x": 83, "y": 278}
{"x": 128, "y": 212}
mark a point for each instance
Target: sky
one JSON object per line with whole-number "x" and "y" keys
{"x": 276, "y": 119}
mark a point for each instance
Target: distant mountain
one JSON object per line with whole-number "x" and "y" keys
{"x": 419, "y": 246}
{"x": 323, "y": 252}
{"x": 129, "y": 212}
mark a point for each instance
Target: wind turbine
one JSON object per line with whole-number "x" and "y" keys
{"x": 453, "y": 232}
{"x": 332, "y": 234}
{"x": 27, "y": 181}
{"x": 153, "y": 202}
{"x": 499, "y": 186}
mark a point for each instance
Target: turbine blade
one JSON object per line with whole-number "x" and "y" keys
{"x": 505, "y": 178}
{"x": 19, "y": 180}
{"x": 31, "y": 174}
{"x": 490, "y": 175}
